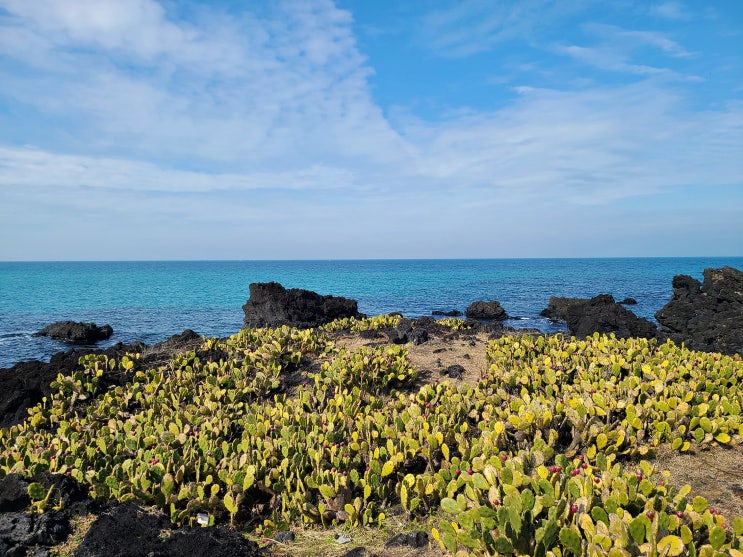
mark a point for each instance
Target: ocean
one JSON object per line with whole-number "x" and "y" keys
{"x": 150, "y": 301}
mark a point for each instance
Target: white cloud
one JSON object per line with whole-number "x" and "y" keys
{"x": 618, "y": 48}
{"x": 290, "y": 87}
{"x": 157, "y": 127}
{"x": 473, "y": 26}
{"x": 29, "y": 168}
{"x": 669, "y": 10}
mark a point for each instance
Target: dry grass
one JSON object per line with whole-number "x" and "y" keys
{"x": 715, "y": 473}
{"x": 80, "y": 526}
{"x": 315, "y": 542}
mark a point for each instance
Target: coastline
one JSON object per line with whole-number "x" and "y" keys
{"x": 151, "y": 301}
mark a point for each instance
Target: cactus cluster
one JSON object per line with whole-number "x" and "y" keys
{"x": 540, "y": 457}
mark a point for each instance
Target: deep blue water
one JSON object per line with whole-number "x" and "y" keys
{"x": 150, "y": 301}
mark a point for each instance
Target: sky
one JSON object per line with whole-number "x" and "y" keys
{"x": 357, "y": 129}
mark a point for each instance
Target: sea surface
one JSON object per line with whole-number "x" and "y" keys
{"x": 150, "y": 301}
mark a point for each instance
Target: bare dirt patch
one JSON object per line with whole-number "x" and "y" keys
{"x": 432, "y": 358}
{"x": 715, "y": 473}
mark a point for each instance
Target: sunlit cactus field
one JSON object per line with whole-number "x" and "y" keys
{"x": 549, "y": 453}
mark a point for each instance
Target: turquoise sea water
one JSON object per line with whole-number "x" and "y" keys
{"x": 150, "y": 301}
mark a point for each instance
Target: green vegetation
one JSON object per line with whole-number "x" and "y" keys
{"x": 542, "y": 456}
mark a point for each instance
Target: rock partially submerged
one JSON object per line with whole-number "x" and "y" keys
{"x": 449, "y": 313}
{"x": 601, "y": 314}
{"x": 557, "y": 307}
{"x": 706, "y": 316}
{"x": 73, "y": 332}
{"x": 272, "y": 305}
{"x": 490, "y": 310}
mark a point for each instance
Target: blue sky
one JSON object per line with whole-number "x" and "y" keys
{"x": 310, "y": 129}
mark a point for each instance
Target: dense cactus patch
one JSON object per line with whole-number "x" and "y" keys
{"x": 544, "y": 455}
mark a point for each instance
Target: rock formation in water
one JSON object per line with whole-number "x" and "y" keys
{"x": 272, "y": 305}
{"x": 706, "y": 315}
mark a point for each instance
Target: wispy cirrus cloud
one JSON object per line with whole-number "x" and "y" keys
{"x": 621, "y": 50}
{"x": 474, "y": 26}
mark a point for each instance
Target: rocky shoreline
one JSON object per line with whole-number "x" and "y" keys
{"x": 704, "y": 316}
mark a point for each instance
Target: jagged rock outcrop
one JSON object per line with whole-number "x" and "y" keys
{"x": 600, "y": 314}
{"x": 706, "y": 316}
{"x": 272, "y": 305}
{"x": 557, "y": 307}
{"x": 73, "y": 332}
{"x": 603, "y": 315}
{"x": 490, "y": 310}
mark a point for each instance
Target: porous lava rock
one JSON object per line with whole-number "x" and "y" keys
{"x": 556, "y": 309}
{"x": 490, "y": 310}
{"x": 13, "y": 493}
{"x": 272, "y": 305}
{"x": 604, "y": 315}
{"x": 449, "y": 313}
{"x": 24, "y": 533}
{"x": 707, "y": 315}
{"x": 73, "y": 332}
{"x": 132, "y": 530}
{"x": 416, "y": 538}
{"x": 408, "y": 331}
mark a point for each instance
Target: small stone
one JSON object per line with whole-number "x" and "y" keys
{"x": 355, "y": 552}
{"x": 342, "y": 538}
{"x": 455, "y": 371}
{"x": 285, "y": 536}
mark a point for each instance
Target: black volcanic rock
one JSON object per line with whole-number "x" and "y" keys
{"x": 556, "y": 309}
{"x": 486, "y": 310}
{"x": 132, "y": 530}
{"x": 272, "y": 305}
{"x": 603, "y": 315}
{"x": 450, "y": 313}
{"x": 73, "y": 332}
{"x": 706, "y": 316}
{"x": 26, "y": 383}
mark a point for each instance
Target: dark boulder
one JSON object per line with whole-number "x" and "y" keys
{"x": 27, "y": 533}
{"x": 454, "y": 371}
{"x": 706, "y": 316}
{"x": 629, "y": 302}
{"x": 272, "y": 305}
{"x": 408, "y": 331}
{"x": 603, "y": 315}
{"x": 556, "y": 309}
{"x": 450, "y": 313}
{"x": 73, "y": 332}
{"x": 416, "y": 538}
{"x": 13, "y": 493}
{"x": 491, "y": 310}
